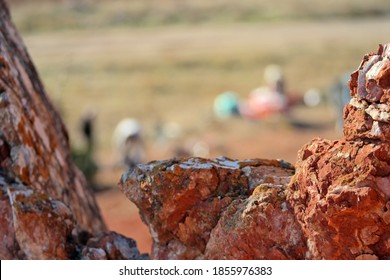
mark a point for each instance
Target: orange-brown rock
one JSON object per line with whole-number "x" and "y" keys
{"x": 263, "y": 226}
{"x": 341, "y": 190}
{"x": 367, "y": 116}
{"x": 34, "y": 144}
{"x": 111, "y": 246}
{"x": 47, "y": 210}
{"x": 42, "y": 225}
{"x": 188, "y": 205}
{"x": 341, "y": 194}
{"x": 45, "y": 229}
{"x": 9, "y": 248}
{"x": 36, "y": 226}
{"x": 336, "y": 205}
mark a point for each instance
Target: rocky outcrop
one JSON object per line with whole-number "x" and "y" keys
{"x": 36, "y": 226}
{"x": 47, "y": 210}
{"x": 367, "y": 116}
{"x": 335, "y": 205}
{"x": 34, "y": 144}
{"x": 221, "y": 209}
{"x": 341, "y": 190}
{"x": 340, "y": 195}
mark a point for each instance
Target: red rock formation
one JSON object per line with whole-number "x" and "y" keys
{"x": 336, "y": 206}
{"x": 262, "y": 226}
{"x": 367, "y": 116}
{"x": 31, "y": 131}
{"x": 198, "y": 208}
{"x": 111, "y": 246}
{"x": 341, "y": 189}
{"x": 36, "y": 226}
{"x": 47, "y": 211}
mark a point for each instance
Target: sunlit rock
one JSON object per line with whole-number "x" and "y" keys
{"x": 335, "y": 205}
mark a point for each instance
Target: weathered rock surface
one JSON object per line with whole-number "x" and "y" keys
{"x": 340, "y": 195}
{"x": 189, "y": 204}
{"x": 367, "y": 116}
{"x": 112, "y": 246}
{"x": 34, "y": 144}
{"x": 263, "y": 226}
{"x": 335, "y": 206}
{"x": 341, "y": 189}
{"x": 47, "y": 210}
{"x": 35, "y": 226}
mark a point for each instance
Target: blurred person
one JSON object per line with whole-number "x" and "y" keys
{"x": 268, "y": 100}
{"x": 87, "y": 129}
{"x": 274, "y": 78}
{"x": 226, "y": 105}
{"x": 128, "y": 142}
{"x": 84, "y": 157}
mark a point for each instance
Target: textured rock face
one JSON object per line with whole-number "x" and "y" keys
{"x": 341, "y": 196}
{"x": 367, "y": 116}
{"x": 341, "y": 190}
{"x": 335, "y": 206}
{"x": 198, "y": 208}
{"x": 47, "y": 211}
{"x": 37, "y": 227}
{"x": 111, "y": 246}
{"x": 263, "y": 226}
{"x": 34, "y": 143}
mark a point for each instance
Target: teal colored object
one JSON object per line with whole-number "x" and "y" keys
{"x": 226, "y": 105}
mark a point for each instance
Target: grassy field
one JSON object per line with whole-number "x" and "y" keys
{"x": 167, "y": 60}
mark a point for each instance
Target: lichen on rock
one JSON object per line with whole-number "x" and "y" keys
{"x": 184, "y": 202}
{"x": 47, "y": 210}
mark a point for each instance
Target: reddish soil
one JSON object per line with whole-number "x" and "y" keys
{"x": 121, "y": 216}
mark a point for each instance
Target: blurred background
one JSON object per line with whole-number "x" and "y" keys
{"x": 243, "y": 79}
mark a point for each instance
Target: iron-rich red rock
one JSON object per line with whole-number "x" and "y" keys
{"x": 112, "y": 246}
{"x": 263, "y": 226}
{"x": 182, "y": 201}
{"x": 42, "y": 225}
{"x": 47, "y": 210}
{"x": 340, "y": 195}
{"x": 34, "y": 144}
{"x": 336, "y": 205}
{"x": 341, "y": 189}
{"x": 9, "y": 248}
{"x": 367, "y": 116}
